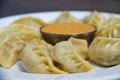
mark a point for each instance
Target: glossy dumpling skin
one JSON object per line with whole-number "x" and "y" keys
{"x": 66, "y": 17}
{"x": 105, "y": 51}
{"x": 69, "y": 59}
{"x": 35, "y": 59}
{"x": 11, "y": 46}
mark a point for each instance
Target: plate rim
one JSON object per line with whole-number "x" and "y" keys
{"x": 106, "y": 12}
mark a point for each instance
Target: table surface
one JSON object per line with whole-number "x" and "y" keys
{"x": 13, "y": 7}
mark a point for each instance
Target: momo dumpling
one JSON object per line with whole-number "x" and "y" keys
{"x": 111, "y": 32}
{"x": 96, "y": 19}
{"x": 13, "y": 29}
{"x": 66, "y": 55}
{"x": 105, "y": 51}
{"x": 80, "y": 45}
{"x": 111, "y": 16}
{"x": 35, "y": 59}
{"x": 65, "y": 17}
{"x": 110, "y": 29}
{"x": 112, "y": 23}
{"x": 48, "y": 46}
{"x": 11, "y": 46}
{"x": 31, "y": 22}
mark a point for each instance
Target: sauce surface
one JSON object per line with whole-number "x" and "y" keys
{"x": 68, "y": 28}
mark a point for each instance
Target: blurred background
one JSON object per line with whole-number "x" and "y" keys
{"x": 13, "y": 7}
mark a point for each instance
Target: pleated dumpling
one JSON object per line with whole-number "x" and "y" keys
{"x": 35, "y": 59}
{"x": 13, "y": 29}
{"x": 110, "y": 29}
{"x": 68, "y": 58}
{"x": 80, "y": 45}
{"x": 31, "y": 22}
{"x": 105, "y": 51}
{"x": 111, "y": 16}
{"x": 48, "y": 46}
{"x": 66, "y": 17}
{"x": 96, "y": 19}
{"x": 11, "y": 46}
{"x": 111, "y": 23}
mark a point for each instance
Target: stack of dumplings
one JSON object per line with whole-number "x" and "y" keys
{"x": 13, "y": 38}
{"x": 22, "y": 41}
{"x": 11, "y": 47}
{"x": 104, "y": 50}
{"x": 42, "y": 57}
{"x": 35, "y": 58}
{"x": 70, "y": 55}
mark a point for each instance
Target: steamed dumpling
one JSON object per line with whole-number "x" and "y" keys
{"x": 48, "y": 46}
{"x": 31, "y": 22}
{"x": 111, "y": 32}
{"x": 80, "y": 45}
{"x": 96, "y": 19}
{"x": 69, "y": 58}
{"x": 11, "y": 46}
{"x": 105, "y": 51}
{"x": 35, "y": 59}
{"x": 13, "y": 29}
{"x": 65, "y": 17}
{"x": 110, "y": 29}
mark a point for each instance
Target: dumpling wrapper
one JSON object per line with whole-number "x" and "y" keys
{"x": 13, "y": 29}
{"x": 12, "y": 45}
{"x": 80, "y": 45}
{"x": 110, "y": 29}
{"x": 111, "y": 32}
{"x": 48, "y": 46}
{"x": 35, "y": 59}
{"x": 96, "y": 19}
{"x": 66, "y": 17}
{"x": 105, "y": 51}
{"x": 69, "y": 58}
{"x": 31, "y": 22}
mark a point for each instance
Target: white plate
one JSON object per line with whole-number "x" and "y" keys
{"x": 18, "y": 73}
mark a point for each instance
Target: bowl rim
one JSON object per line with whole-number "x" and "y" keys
{"x": 95, "y": 29}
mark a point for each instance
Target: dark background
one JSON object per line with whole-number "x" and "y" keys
{"x": 12, "y": 7}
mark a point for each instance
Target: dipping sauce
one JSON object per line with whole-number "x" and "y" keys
{"x": 68, "y": 28}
